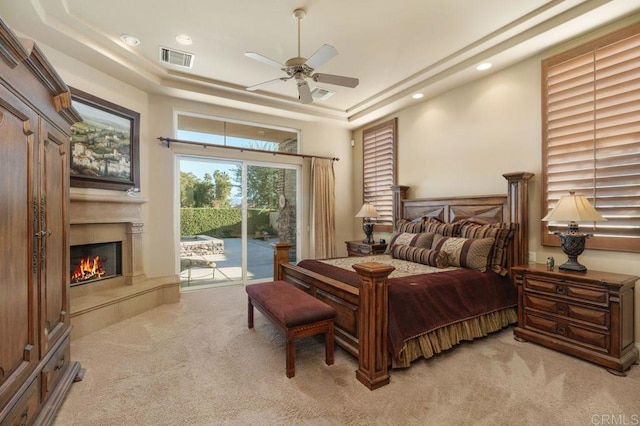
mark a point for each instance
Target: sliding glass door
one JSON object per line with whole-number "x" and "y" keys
{"x": 230, "y": 214}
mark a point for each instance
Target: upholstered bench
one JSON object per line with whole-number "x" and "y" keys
{"x": 295, "y": 313}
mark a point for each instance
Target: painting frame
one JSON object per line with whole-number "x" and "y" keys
{"x": 87, "y": 169}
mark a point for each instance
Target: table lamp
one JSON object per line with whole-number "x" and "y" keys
{"x": 573, "y": 208}
{"x": 367, "y": 212}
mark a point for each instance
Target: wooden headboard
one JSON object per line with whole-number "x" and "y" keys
{"x": 512, "y": 207}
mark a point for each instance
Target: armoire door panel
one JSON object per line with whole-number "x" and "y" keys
{"x": 18, "y": 337}
{"x": 54, "y": 263}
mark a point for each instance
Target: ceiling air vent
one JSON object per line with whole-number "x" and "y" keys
{"x": 176, "y": 57}
{"x": 320, "y": 94}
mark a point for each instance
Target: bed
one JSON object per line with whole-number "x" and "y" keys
{"x": 390, "y": 311}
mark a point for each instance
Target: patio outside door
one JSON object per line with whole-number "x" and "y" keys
{"x": 230, "y": 214}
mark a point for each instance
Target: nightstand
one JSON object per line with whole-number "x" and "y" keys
{"x": 584, "y": 314}
{"x": 358, "y": 248}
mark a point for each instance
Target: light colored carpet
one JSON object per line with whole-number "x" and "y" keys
{"x": 197, "y": 363}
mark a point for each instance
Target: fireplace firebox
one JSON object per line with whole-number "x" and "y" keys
{"x": 95, "y": 262}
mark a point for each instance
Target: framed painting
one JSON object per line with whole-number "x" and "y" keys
{"x": 105, "y": 145}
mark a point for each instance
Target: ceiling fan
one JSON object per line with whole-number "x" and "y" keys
{"x": 300, "y": 68}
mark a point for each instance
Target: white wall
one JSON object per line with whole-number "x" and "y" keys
{"x": 461, "y": 142}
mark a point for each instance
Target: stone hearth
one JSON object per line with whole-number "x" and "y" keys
{"x": 106, "y": 218}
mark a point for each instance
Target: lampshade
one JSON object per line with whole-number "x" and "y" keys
{"x": 367, "y": 210}
{"x": 573, "y": 208}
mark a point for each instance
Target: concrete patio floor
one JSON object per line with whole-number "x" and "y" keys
{"x": 228, "y": 266}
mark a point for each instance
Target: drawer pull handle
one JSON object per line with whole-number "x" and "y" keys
{"x": 25, "y": 417}
{"x": 561, "y": 330}
{"x": 562, "y": 309}
{"x": 59, "y": 364}
{"x": 561, "y": 290}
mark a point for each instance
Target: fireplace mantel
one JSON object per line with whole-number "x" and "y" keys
{"x": 99, "y": 208}
{"x": 112, "y": 217}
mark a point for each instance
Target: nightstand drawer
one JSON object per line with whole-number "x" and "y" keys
{"x": 589, "y": 338}
{"x": 593, "y": 316}
{"x": 358, "y": 248}
{"x": 362, "y": 248}
{"x": 567, "y": 290}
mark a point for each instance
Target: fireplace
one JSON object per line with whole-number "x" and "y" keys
{"x": 95, "y": 262}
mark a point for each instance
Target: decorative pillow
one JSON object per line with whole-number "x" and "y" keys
{"x": 436, "y": 258}
{"x": 404, "y": 225}
{"x": 423, "y": 240}
{"x": 472, "y": 253}
{"x": 503, "y": 234}
{"x": 436, "y": 226}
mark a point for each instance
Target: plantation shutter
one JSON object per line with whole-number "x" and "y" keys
{"x": 379, "y": 154}
{"x": 591, "y": 129}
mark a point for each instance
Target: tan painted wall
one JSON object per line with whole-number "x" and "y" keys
{"x": 461, "y": 142}
{"x": 157, "y": 163}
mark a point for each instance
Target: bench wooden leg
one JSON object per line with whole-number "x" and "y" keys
{"x": 291, "y": 357}
{"x": 328, "y": 346}
{"x": 250, "y": 313}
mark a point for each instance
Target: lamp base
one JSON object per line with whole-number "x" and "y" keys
{"x": 367, "y": 227}
{"x": 572, "y": 265}
{"x": 573, "y": 244}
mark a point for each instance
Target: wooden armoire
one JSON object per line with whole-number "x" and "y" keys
{"x": 36, "y": 371}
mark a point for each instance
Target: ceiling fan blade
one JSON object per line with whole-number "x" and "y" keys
{"x": 304, "y": 92}
{"x": 321, "y": 56}
{"x": 338, "y": 80}
{"x": 264, "y": 59}
{"x": 266, "y": 83}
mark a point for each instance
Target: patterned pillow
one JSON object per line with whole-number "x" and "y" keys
{"x": 436, "y": 258}
{"x": 423, "y": 240}
{"x": 472, "y": 253}
{"x": 404, "y": 225}
{"x": 503, "y": 234}
{"x": 436, "y": 226}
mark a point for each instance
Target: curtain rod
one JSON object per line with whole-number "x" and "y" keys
{"x": 169, "y": 141}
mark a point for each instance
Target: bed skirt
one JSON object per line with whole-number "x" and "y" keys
{"x": 446, "y": 337}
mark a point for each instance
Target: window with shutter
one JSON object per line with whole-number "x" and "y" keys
{"x": 591, "y": 132}
{"x": 379, "y": 168}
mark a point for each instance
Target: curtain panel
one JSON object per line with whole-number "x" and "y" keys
{"x": 323, "y": 227}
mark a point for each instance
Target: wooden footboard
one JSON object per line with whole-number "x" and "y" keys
{"x": 361, "y": 325}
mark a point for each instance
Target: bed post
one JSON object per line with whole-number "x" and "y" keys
{"x": 399, "y": 194}
{"x": 518, "y": 201}
{"x": 280, "y": 256}
{"x": 373, "y": 324}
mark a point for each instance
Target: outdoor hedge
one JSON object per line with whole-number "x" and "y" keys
{"x": 222, "y": 223}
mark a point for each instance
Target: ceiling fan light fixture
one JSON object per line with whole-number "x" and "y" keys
{"x": 300, "y": 69}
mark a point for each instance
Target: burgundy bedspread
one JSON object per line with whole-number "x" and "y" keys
{"x": 422, "y": 303}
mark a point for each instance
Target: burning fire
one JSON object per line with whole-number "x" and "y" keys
{"x": 89, "y": 268}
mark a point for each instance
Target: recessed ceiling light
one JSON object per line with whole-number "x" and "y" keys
{"x": 130, "y": 40}
{"x": 417, "y": 96}
{"x": 484, "y": 66}
{"x": 184, "y": 39}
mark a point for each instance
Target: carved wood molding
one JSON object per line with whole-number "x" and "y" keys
{"x": 12, "y": 50}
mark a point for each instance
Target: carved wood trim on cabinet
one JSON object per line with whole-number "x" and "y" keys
{"x": 35, "y": 117}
